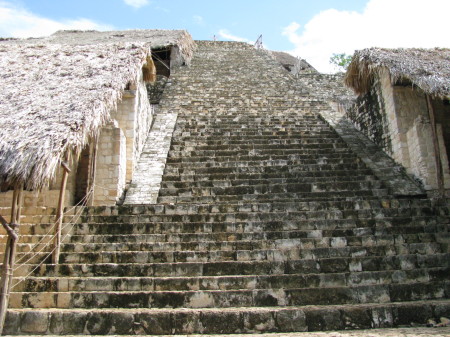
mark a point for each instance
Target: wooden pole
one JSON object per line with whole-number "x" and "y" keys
{"x": 437, "y": 152}
{"x": 60, "y": 211}
{"x": 92, "y": 170}
{"x": 10, "y": 253}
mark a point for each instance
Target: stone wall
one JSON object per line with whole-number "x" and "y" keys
{"x": 369, "y": 116}
{"x": 396, "y": 118}
{"x": 134, "y": 117}
{"x": 327, "y": 87}
{"x": 45, "y": 198}
{"x": 110, "y": 179}
{"x": 156, "y": 89}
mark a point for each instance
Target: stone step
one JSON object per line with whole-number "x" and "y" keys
{"x": 422, "y": 330}
{"x": 245, "y": 139}
{"x": 251, "y": 179}
{"x": 232, "y": 298}
{"x": 204, "y": 236}
{"x": 237, "y": 116}
{"x": 242, "y": 233}
{"x": 295, "y": 163}
{"x": 141, "y": 230}
{"x": 306, "y": 146}
{"x": 262, "y": 198}
{"x": 223, "y": 320}
{"x": 236, "y": 179}
{"x": 265, "y": 167}
{"x": 256, "y": 117}
{"x": 267, "y": 187}
{"x": 283, "y": 250}
{"x": 249, "y": 282}
{"x": 260, "y": 154}
{"x": 248, "y": 134}
{"x": 31, "y": 233}
{"x": 426, "y": 205}
{"x": 251, "y": 125}
{"x": 343, "y": 175}
{"x": 181, "y": 269}
{"x": 247, "y": 159}
{"x": 404, "y": 243}
{"x": 387, "y": 216}
{"x": 387, "y": 205}
{"x": 189, "y": 151}
{"x": 292, "y": 121}
{"x": 242, "y": 120}
{"x": 430, "y": 220}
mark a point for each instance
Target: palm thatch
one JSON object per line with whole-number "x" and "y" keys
{"x": 156, "y": 37}
{"x": 53, "y": 97}
{"x": 293, "y": 64}
{"x": 428, "y": 69}
{"x": 57, "y": 91}
{"x": 284, "y": 58}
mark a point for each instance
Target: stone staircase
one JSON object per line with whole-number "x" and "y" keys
{"x": 266, "y": 221}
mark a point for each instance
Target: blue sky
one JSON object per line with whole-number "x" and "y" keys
{"x": 312, "y": 29}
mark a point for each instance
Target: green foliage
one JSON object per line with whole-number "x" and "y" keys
{"x": 341, "y": 61}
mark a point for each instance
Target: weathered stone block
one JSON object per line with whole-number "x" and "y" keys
{"x": 356, "y": 318}
{"x": 186, "y": 322}
{"x": 412, "y": 314}
{"x": 291, "y": 321}
{"x": 259, "y": 321}
{"x": 323, "y": 319}
{"x": 382, "y": 317}
{"x": 219, "y": 322}
{"x": 12, "y": 323}
{"x": 34, "y": 322}
{"x": 153, "y": 323}
{"x": 98, "y": 323}
{"x": 68, "y": 323}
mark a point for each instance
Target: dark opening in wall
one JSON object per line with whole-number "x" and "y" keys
{"x": 82, "y": 180}
{"x": 161, "y": 58}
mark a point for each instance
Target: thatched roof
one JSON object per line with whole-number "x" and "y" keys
{"x": 293, "y": 64}
{"x": 53, "y": 97}
{"x": 59, "y": 90}
{"x": 157, "y": 38}
{"x": 428, "y": 69}
{"x": 284, "y": 58}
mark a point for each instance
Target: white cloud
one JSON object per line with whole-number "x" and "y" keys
{"x": 223, "y": 33}
{"x": 18, "y": 22}
{"x": 136, "y": 3}
{"x": 198, "y": 19}
{"x": 383, "y": 23}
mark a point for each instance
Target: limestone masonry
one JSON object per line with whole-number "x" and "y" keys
{"x": 248, "y": 203}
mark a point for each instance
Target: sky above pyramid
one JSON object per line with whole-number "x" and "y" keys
{"x": 312, "y": 30}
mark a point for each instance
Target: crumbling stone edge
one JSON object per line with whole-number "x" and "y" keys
{"x": 224, "y": 320}
{"x": 384, "y": 167}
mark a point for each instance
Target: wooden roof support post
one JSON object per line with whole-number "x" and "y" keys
{"x": 10, "y": 252}
{"x": 92, "y": 170}
{"x": 60, "y": 211}
{"x": 437, "y": 152}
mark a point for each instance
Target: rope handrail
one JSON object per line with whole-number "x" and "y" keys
{"x": 47, "y": 235}
{"x": 72, "y": 224}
